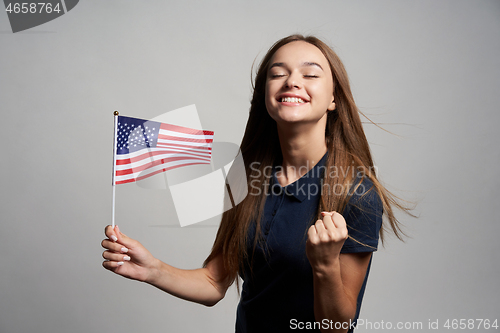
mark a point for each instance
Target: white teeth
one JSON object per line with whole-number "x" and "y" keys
{"x": 292, "y": 100}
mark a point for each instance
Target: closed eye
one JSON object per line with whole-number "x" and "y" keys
{"x": 311, "y": 76}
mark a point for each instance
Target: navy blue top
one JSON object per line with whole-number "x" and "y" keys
{"x": 277, "y": 291}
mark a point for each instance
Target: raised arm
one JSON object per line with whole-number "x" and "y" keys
{"x": 337, "y": 278}
{"x": 129, "y": 258}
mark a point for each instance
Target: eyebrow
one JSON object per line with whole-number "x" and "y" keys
{"x": 306, "y": 63}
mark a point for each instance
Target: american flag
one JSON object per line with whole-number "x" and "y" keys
{"x": 145, "y": 148}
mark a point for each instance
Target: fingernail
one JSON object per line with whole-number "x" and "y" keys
{"x": 124, "y": 250}
{"x": 113, "y": 237}
{"x": 126, "y": 258}
{"x": 120, "y": 263}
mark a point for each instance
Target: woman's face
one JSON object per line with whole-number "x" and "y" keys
{"x": 299, "y": 86}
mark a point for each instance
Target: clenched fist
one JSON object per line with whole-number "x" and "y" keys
{"x": 325, "y": 239}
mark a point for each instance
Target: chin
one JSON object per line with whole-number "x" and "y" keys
{"x": 291, "y": 120}
{"x": 282, "y": 117}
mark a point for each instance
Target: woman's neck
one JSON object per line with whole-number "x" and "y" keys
{"x": 302, "y": 147}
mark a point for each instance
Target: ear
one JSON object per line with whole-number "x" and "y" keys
{"x": 331, "y": 107}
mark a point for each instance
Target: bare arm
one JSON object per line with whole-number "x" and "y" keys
{"x": 127, "y": 257}
{"x": 337, "y": 278}
{"x": 202, "y": 285}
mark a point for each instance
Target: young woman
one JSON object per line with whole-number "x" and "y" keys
{"x": 302, "y": 239}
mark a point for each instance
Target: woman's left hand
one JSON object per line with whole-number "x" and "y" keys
{"x": 324, "y": 241}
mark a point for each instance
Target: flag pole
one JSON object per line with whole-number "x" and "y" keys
{"x": 114, "y": 166}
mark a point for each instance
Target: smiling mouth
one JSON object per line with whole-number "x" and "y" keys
{"x": 292, "y": 100}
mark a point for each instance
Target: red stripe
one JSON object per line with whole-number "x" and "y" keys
{"x": 152, "y": 164}
{"x": 152, "y": 154}
{"x": 152, "y": 174}
{"x": 170, "y": 127}
{"x": 176, "y": 138}
{"x": 131, "y": 180}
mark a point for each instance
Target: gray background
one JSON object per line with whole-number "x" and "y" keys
{"x": 427, "y": 71}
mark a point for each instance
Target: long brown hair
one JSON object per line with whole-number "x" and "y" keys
{"x": 347, "y": 147}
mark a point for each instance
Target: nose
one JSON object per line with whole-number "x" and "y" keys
{"x": 293, "y": 81}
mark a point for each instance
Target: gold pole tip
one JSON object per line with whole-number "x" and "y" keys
{"x": 116, "y": 113}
